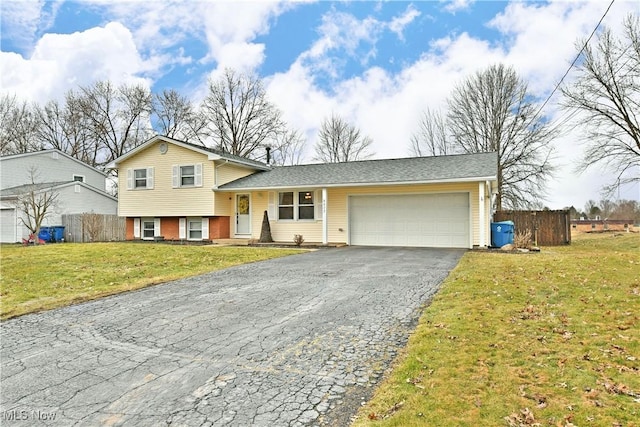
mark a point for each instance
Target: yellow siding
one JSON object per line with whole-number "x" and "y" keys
{"x": 337, "y": 211}
{"x": 227, "y": 172}
{"x": 223, "y": 205}
{"x": 163, "y": 199}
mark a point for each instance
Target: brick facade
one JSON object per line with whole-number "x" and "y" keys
{"x": 219, "y": 228}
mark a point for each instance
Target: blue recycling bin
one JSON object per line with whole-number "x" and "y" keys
{"x": 46, "y": 234}
{"x": 58, "y": 233}
{"x": 502, "y": 233}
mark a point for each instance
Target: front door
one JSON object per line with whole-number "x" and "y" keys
{"x": 243, "y": 217}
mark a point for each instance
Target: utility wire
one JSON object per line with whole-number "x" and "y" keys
{"x": 584, "y": 46}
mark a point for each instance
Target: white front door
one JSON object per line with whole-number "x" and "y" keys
{"x": 243, "y": 216}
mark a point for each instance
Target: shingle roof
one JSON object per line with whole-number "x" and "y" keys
{"x": 463, "y": 167}
{"x": 223, "y": 154}
{"x": 25, "y": 188}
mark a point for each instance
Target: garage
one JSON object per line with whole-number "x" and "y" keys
{"x": 428, "y": 220}
{"x": 8, "y": 226}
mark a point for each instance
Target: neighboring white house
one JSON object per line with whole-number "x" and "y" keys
{"x": 81, "y": 188}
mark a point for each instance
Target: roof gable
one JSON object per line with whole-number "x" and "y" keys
{"x": 462, "y": 167}
{"x": 49, "y": 151}
{"x": 211, "y": 153}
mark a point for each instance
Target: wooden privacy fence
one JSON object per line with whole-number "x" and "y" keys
{"x": 91, "y": 227}
{"x": 548, "y": 228}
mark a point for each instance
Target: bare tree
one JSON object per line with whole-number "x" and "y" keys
{"x": 432, "y": 137}
{"x": 18, "y": 126}
{"x": 492, "y": 111}
{"x": 591, "y": 209}
{"x": 93, "y": 226}
{"x": 607, "y": 94}
{"x": 118, "y": 117}
{"x": 289, "y": 149}
{"x": 177, "y": 118}
{"x": 36, "y": 202}
{"x": 65, "y": 128}
{"x": 340, "y": 141}
{"x": 240, "y": 115}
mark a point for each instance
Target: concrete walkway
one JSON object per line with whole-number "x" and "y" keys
{"x": 299, "y": 340}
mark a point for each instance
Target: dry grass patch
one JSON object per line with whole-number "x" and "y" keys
{"x": 549, "y": 339}
{"x": 38, "y": 278}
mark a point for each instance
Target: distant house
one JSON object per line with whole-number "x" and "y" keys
{"x": 80, "y": 188}
{"x": 593, "y": 225}
{"x": 177, "y": 190}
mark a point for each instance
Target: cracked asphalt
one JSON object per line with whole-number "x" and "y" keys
{"x": 295, "y": 341}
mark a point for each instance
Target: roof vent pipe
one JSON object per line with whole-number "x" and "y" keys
{"x": 268, "y": 154}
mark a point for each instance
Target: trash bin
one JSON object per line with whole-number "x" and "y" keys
{"x": 502, "y": 233}
{"x": 45, "y": 234}
{"x": 58, "y": 233}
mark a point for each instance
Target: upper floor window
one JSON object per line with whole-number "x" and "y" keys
{"x": 296, "y": 205}
{"x": 78, "y": 178}
{"x": 140, "y": 178}
{"x": 187, "y": 175}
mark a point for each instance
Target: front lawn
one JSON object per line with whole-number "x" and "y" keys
{"x": 36, "y": 278}
{"x": 548, "y": 339}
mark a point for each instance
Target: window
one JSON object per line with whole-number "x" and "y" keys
{"x": 285, "y": 205}
{"x": 78, "y": 178}
{"x": 296, "y": 205}
{"x": 187, "y": 175}
{"x": 305, "y": 205}
{"x": 140, "y": 178}
{"x": 195, "y": 229}
{"x": 148, "y": 229}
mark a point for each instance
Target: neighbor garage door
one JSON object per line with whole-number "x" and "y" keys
{"x": 431, "y": 220}
{"x": 8, "y": 225}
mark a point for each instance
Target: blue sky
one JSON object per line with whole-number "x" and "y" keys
{"x": 379, "y": 64}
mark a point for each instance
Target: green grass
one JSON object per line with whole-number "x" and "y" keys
{"x": 38, "y": 278}
{"x": 519, "y": 339}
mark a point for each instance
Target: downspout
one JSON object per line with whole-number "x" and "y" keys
{"x": 325, "y": 226}
{"x": 215, "y": 175}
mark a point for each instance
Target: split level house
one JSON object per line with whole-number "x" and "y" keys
{"x": 79, "y": 188}
{"x": 175, "y": 190}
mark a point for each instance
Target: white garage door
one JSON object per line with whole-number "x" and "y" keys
{"x": 8, "y": 225}
{"x": 430, "y": 220}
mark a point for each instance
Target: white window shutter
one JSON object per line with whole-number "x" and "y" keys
{"x": 176, "y": 176}
{"x": 150, "y": 178}
{"x": 271, "y": 207}
{"x": 129, "y": 179}
{"x": 205, "y": 228}
{"x": 182, "y": 228}
{"x": 317, "y": 200}
{"x": 198, "y": 174}
{"x": 136, "y": 228}
{"x": 156, "y": 227}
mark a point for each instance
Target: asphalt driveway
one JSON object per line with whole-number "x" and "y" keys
{"x": 299, "y": 340}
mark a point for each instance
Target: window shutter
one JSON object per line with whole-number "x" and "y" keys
{"x": 198, "y": 174}
{"x": 271, "y": 207}
{"x": 129, "y": 179}
{"x": 182, "y": 228}
{"x": 176, "y": 176}
{"x": 136, "y": 228}
{"x": 205, "y": 228}
{"x": 150, "y": 178}
{"x": 156, "y": 227}
{"x": 318, "y": 204}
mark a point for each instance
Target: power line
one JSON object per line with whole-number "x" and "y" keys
{"x": 584, "y": 46}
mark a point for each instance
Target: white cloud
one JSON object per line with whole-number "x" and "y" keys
{"x": 63, "y": 61}
{"x": 399, "y": 23}
{"x": 454, "y": 6}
